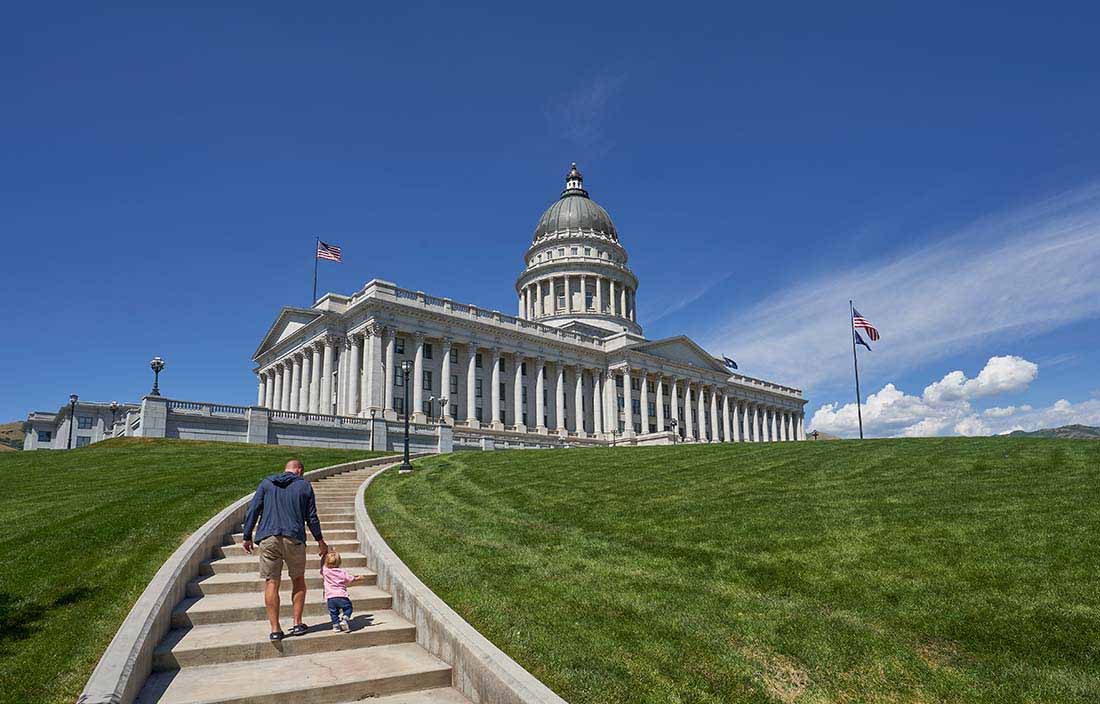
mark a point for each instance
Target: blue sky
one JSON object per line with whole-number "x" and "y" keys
{"x": 165, "y": 171}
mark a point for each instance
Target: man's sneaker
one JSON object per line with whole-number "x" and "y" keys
{"x": 344, "y": 625}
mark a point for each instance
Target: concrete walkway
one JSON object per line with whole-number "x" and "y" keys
{"x": 218, "y": 650}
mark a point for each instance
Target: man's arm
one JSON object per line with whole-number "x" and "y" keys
{"x": 255, "y": 508}
{"x": 313, "y": 521}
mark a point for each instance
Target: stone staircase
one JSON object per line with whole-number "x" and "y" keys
{"x": 218, "y": 650}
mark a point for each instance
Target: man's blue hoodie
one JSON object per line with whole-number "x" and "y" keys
{"x": 282, "y": 503}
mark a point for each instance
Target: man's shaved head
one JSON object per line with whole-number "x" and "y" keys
{"x": 295, "y": 466}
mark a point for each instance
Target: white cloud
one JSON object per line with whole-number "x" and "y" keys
{"x": 945, "y": 406}
{"x": 1000, "y": 375}
{"x": 580, "y": 115}
{"x": 1025, "y": 273}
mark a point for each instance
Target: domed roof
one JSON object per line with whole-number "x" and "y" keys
{"x": 575, "y": 211}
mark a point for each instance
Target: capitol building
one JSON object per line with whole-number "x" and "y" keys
{"x": 571, "y": 365}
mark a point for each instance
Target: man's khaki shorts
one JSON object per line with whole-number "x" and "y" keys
{"x": 277, "y": 549}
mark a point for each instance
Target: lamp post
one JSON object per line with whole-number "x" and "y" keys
{"x": 114, "y": 412}
{"x": 372, "y": 430}
{"x": 672, "y": 426}
{"x": 442, "y": 407}
{"x": 157, "y": 365}
{"x": 406, "y": 367}
{"x": 431, "y": 409}
{"x": 73, "y": 398}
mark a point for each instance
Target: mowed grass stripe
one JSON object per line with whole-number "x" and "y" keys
{"x": 932, "y": 570}
{"x": 83, "y": 531}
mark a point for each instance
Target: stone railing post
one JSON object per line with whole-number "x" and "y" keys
{"x": 446, "y": 438}
{"x": 258, "y": 419}
{"x": 379, "y": 438}
{"x": 154, "y": 417}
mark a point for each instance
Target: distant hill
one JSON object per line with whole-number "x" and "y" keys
{"x": 1066, "y": 432}
{"x": 821, "y": 436}
{"x": 11, "y": 435}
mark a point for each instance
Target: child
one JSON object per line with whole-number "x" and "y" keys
{"x": 336, "y": 590}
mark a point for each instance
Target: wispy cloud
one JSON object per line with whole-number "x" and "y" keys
{"x": 580, "y": 115}
{"x": 1030, "y": 271}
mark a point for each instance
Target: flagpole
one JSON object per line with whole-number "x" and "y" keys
{"x": 316, "y": 244}
{"x": 855, "y": 365}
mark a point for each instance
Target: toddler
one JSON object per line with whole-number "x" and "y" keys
{"x": 336, "y": 590}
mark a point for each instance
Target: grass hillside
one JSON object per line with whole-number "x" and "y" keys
{"x": 922, "y": 570}
{"x": 84, "y": 530}
{"x": 11, "y": 435}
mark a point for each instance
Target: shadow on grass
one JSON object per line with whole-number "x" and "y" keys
{"x": 18, "y": 617}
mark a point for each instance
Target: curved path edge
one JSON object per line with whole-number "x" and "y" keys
{"x": 482, "y": 672}
{"x": 128, "y": 660}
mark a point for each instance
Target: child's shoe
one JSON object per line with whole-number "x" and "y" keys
{"x": 336, "y": 628}
{"x": 344, "y": 625}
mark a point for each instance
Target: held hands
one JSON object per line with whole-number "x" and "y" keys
{"x": 247, "y": 545}
{"x": 322, "y": 548}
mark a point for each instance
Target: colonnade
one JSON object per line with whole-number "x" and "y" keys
{"x": 609, "y": 296}
{"x": 352, "y": 375}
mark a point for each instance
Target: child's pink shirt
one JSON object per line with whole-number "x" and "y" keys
{"x": 336, "y": 582}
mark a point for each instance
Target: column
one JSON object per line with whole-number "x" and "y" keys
{"x": 341, "y": 396}
{"x": 578, "y": 397}
{"x": 597, "y": 401}
{"x": 611, "y": 295}
{"x": 315, "y": 379}
{"x": 307, "y": 376}
{"x": 568, "y": 296}
{"x": 788, "y": 426}
{"x": 599, "y": 294}
{"x": 674, "y": 405}
{"x": 622, "y": 301}
{"x": 494, "y": 389}
{"x": 584, "y": 296}
{"x": 559, "y": 399}
{"x": 388, "y": 370}
{"x": 540, "y": 390}
{"x": 445, "y": 379}
{"x": 701, "y": 418}
{"x": 269, "y": 391}
{"x": 660, "y": 404}
{"x": 628, "y": 405}
{"x": 752, "y": 417}
{"x": 644, "y": 402}
{"x": 325, "y": 405}
{"x": 519, "y": 306}
{"x": 288, "y": 377}
{"x": 261, "y": 391}
{"x": 416, "y": 380}
{"x": 471, "y": 385}
{"x": 715, "y": 436}
{"x": 295, "y": 383}
{"x": 726, "y": 430}
{"x": 775, "y": 425}
{"x": 801, "y": 425}
{"x": 736, "y": 418}
{"x": 610, "y": 404}
{"x": 517, "y": 393}
{"x": 689, "y": 429}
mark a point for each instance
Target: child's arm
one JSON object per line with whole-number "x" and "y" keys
{"x": 358, "y": 578}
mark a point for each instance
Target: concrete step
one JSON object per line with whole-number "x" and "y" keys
{"x": 341, "y": 515}
{"x": 330, "y": 535}
{"x": 250, "y": 582}
{"x": 341, "y": 545}
{"x": 448, "y": 695}
{"x": 247, "y": 640}
{"x": 321, "y": 678}
{"x": 251, "y": 563}
{"x": 229, "y": 608}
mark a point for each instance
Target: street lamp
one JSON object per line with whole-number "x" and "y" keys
{"x": 114, "y": 412}
{"x": 406, "y": 367}
{"x": 442, "y": 407}
{"x": 672, "y": 426}
{"x": 431, "y": 409}
{"x": 157, "y": 365}
{"x": 372, "y": 430}
{"x": 73, "y": 398}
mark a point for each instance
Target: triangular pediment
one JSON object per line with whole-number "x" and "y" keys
{"x": 289, "y": 321}
{"x": 682, "y": 350}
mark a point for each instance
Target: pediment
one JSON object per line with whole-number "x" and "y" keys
{"x": 682, "y": 350}
{"x": 288, "y": 322}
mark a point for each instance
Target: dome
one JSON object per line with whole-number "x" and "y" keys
{"x": 575, "y": 211}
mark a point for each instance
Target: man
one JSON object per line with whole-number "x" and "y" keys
{"x": 282, "y": 503}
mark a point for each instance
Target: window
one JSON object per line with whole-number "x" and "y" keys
{"x": 44, "y": 436}
{"x": 454, "y": 384}
{"x": 454, "y": 355}
{"x": 667, "y": 411}
{"x": 636, "y": 384}
{"x": 652, "y": 408}
{"x": 525, "y": 417}
{"x": 549, "y": 254}
{"x": 588, "y": 300}
{"x": 427, "y": 350}
{"x": 454, "y": 410}
{"x": 398, "y": 377}
{"x": 478, "y": 391}
{"x": 427, "y": 380}
{"x": 427, "y": 409}
{"x": 84, "y": 422}
{"x": 502, "y": 418}
{"x": 622, "y": 403}
{"x": 588, "y": 251}
{"x": 503, "y": 392}
{"x": 83, "y": 441}
{"x": 573, "y": 251}
{"x": 399, "y": 345}
{"x": 399, "y": 404}
{"x": 523, "y": 392}
{"x": 477, "y": 360}
{"x": 523, "y": 368}
{"x": 636, "y": 405}
{"x": 637, "y": 427}
{"x": 561, "y": 300}
{"x": 479, "y": 413}
{"x": 561, "y": 251}
{"x": 619, "y": 381}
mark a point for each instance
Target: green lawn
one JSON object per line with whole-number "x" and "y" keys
{"x": 924, "y": 570}
{"x": 83, "y": 531}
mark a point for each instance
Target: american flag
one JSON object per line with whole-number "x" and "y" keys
{"x": 859, "y": 322}
{"x": 328, "y": 251}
